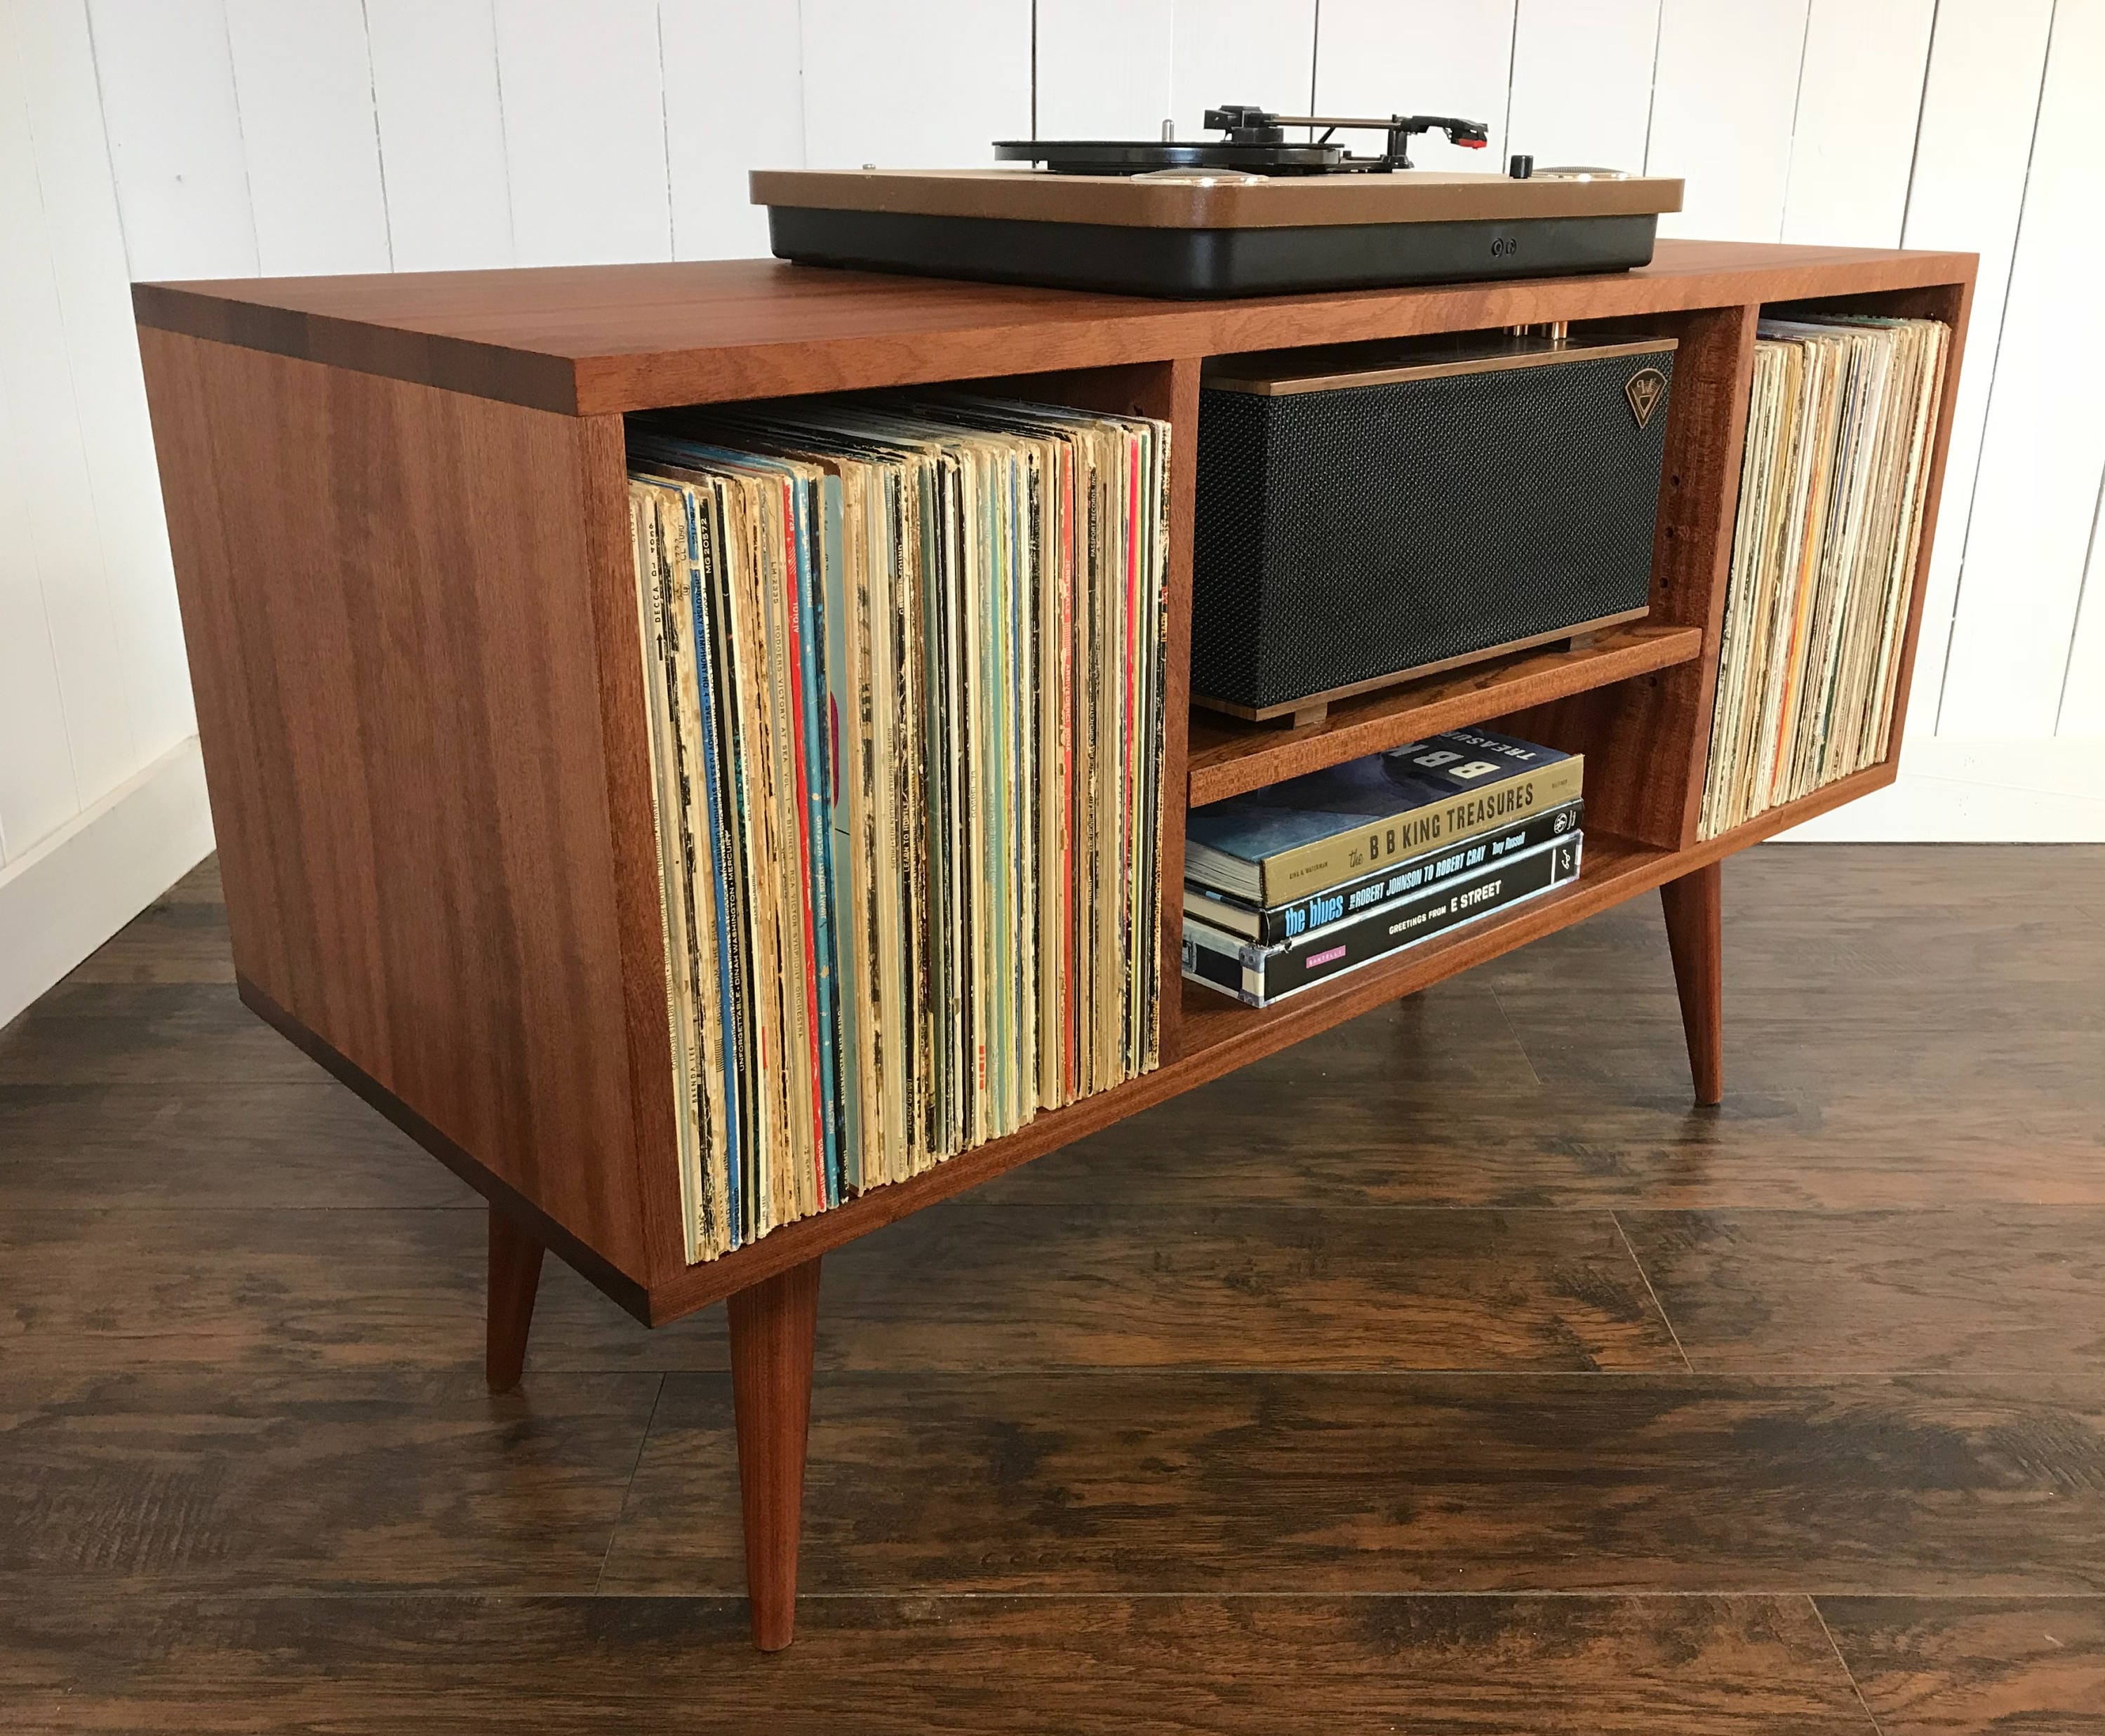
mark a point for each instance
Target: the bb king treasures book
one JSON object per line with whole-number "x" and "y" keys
{"x": 1394, "y": 880}
{"x": 1310, "y": 834}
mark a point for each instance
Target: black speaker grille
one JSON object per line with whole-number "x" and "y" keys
{"x": 1347, "y": 533}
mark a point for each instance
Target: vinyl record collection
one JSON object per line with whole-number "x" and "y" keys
{"x": 904, "y": 662}
{"x": 1840, "y": 431}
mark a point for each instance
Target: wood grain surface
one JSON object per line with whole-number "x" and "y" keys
{"x": 772, "y": 1328}
{"x": 1344, "y": 1392}
{"x": 588, "y": 340}
{"x": 1229, "y": 756}
{"x": 1692, "y": 906}
{"x": 388, "y": 596}
{"x": 1197, "y": 1666}
{"x": 1984, "y": 1286}
{"x": 1170, "y": 1481}
{"x": 1956, "y": 1666}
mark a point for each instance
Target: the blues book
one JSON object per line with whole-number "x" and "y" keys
{"x": 1260, "y": 975}
{"x": 1286, "y": 922}
{"x": 1312, "y": 833}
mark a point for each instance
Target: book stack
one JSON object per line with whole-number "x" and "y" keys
{"x": 905, "y": 666}
{"x": 1330, "y": 872}
{"x": 1839, "y": 429}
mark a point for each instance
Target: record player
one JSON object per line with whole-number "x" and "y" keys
{"x": 1251, "y": 212}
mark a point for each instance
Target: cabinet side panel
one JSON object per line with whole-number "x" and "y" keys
{"x": 387, "y": 591}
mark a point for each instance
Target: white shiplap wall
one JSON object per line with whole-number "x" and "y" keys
{"x": 204, "y": 138}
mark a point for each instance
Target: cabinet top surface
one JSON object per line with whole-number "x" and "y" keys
{"x": 592, "y": 339}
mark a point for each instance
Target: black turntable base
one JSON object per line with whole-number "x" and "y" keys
{"x": 1250, "y": 213}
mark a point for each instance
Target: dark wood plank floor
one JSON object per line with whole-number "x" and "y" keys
{"x": 1448, "y": 1374}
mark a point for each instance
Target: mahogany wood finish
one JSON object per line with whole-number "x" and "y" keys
{"x": 1228, "y": 758}
{"x": 387, "y": 593}
{"x": 773, "y": 1327}
{"x": 515, "y": 1279}
{"x": 397, "y": 512}
{"x": 1695, "y": 931}
{"x": 593, "y": 339}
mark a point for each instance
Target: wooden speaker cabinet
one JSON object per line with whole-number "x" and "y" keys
{"x": 398, "y": 511}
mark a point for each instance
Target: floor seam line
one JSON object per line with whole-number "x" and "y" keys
{"x": 1665, "y": 1319}
{"x": 1849, "y": 1674}
{"x": 621, "y": 1512}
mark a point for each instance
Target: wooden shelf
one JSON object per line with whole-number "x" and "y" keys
{"x": 1228, "y": 758}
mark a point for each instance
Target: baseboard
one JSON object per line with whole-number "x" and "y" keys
{"x": 70, "y": 893}
{"x": 1954, "y": 791}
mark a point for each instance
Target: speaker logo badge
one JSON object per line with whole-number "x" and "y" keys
{"x": 1644, "y": 389}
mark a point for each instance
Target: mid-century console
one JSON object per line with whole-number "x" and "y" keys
{"x": 398, "y": 511}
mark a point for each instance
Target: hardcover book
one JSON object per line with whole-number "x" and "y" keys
{"x": 1260, "y": 975}
{"x": 1285, "y": 922}
{"x": 1312, "y": 833}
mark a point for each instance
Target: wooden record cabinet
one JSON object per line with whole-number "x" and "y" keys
{"x": 398, "y": 516}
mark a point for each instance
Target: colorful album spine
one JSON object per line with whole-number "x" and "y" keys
{"x": 706, "y": 579}
{"x": 657, "y": 682}
{"x": 838, "y": 699}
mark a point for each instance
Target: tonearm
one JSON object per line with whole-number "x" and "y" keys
{"x": 1245, "y": 125}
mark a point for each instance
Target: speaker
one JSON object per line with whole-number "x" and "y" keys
{"x": 1374, "y": 514}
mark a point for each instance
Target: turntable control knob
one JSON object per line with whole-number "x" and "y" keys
{"x": 1520, "y": 167}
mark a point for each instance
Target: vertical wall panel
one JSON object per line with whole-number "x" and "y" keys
{"x": 2045, "y": 445}
{"x": 1854, "y": 140}
{"x": 2083, "y": 696}
{"x": 1986, "y": 62}
{"x": 584, "y": 131}
{"x": 1260, "y": 51}
{"x": 1582, "y": 81}
{"x": 304, "y": 87}
{"x": 441, "y": 133}
{"x": 1375, "y": 57}
{"x": 734, "y": 102}
{"x": 49, "y": 459}
{"x": 930, "y": 85}
{"x": 1723, "y": 95}
{"x": 169, "y": 113}
{"x": 330, "y": 135}
{"x": 1104, "y": 70}
{"x": 37, "y": 793}
{"x": 88, "y": 266}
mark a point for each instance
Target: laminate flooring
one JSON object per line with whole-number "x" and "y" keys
{"x": 1450, "y": 1373}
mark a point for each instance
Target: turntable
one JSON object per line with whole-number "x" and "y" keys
{"x": 1251, "y": 211}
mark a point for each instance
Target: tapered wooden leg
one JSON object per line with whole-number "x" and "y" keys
{"x": 772, "y": 1326}
{"x": 1696, "y": 933}
{"x": 515, "y": 1277}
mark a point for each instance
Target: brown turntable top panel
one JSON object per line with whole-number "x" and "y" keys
{"x": 1218, "y": 201}
{"x": 599, "y": 340}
